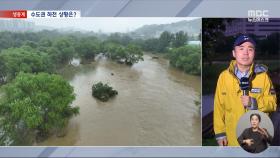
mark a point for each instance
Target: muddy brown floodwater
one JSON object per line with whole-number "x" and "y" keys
{"x": 154, "y": 107}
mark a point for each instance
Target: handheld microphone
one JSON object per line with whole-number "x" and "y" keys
{"x": 244, "y": 85}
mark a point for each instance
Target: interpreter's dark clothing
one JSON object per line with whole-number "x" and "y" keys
{"x": 260, "y": 140}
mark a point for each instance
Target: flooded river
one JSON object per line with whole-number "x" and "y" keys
{"x": 154, "y": 107}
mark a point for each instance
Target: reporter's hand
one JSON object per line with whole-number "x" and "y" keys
{"x": 246, "y": 100}
{"x": 222, "y": 142}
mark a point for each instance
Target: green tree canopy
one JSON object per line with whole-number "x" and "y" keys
{"x": 134, "y": 54}
{"x": 180, "y": 39}
{"x": 130, "y": 54}
{"x": 63, "y": 50}
{"x": 151, "y": 44}
{"x": 103, "y": 92}
{"x": 24, "y": 59}
{"x": 165, "y": 41}
{"x": 88, "y": 47}
{"x": 187, "y": 58}
{"x": 36, "y": 103}
{"x": 119, "y": 38}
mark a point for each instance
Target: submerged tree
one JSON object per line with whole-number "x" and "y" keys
{"x": 103, "y": 92}
{"x": 134, "y": 54}
{"x": 129, "y": 55}
{"x": 34, "y": 106}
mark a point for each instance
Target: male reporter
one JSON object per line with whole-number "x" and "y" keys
{"x": 230, "y": 103}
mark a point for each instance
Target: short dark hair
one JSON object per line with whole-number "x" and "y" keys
{"x": 255, "y": 114}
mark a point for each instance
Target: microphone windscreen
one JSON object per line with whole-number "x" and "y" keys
{"x": 244, "y": 83}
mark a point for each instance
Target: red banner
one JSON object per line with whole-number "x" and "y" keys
{"x": 13, "y": 13}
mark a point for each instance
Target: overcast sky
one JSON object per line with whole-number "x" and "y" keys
{"x": 107, "y": 24}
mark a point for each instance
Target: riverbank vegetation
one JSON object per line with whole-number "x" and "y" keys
{"x": 53, "y": 49}
{"x": 187, "y": 58}
{"x": 175, "y": 46}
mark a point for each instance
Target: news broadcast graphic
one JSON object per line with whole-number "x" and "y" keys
{"x": 139, "y": 78}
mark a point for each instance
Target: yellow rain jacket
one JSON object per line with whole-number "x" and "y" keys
{"x": 227, "y": 102}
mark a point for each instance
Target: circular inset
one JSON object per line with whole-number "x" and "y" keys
{"x": 254, "y": 131}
